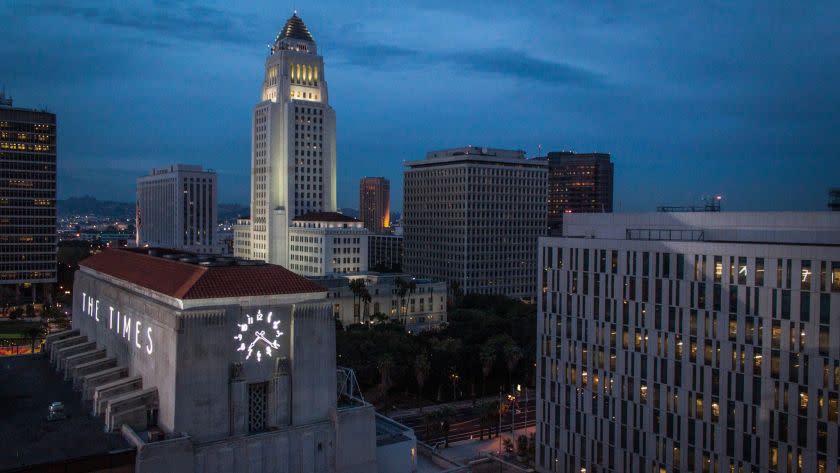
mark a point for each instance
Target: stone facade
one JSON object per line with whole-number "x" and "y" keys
{"x": 214, "y": 383}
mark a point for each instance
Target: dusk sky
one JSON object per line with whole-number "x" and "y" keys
{"x": 691, "y": 99}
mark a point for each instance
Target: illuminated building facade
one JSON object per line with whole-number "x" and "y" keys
{"x": 177, "y": 208}
{"x": 293, "y": 159}
{"x": 690, "y": 342}
{"x": 578, "y": 183}
{"x": 326, "y": 243}
{"x": 375, "y": 204}
{"x": 213, "y": 365}
{"x": 417, "y": 304}
{"x": 472, "y": 217}
{"x": 27, "y": 197}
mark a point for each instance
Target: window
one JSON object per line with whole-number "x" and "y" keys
{"x": 759, "y": 271}
{"x": 835, "y": 276}
{"x": 257, "y": 406}
{"x": 806, "y": 275}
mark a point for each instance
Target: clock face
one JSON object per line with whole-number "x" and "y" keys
{"x": 258, "y": 337}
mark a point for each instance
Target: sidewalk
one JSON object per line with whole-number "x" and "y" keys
{"x": 466, "y": 450}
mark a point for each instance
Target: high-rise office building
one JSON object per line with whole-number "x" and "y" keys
{"x": 293, "y": 163}
{"x": 472, "y": 217}
{"x": 578, "y": 182}
{"x": 177, "y": 208}
{"x": 375, "y": 203}
{"x": 701, "y": 341}
{"x": 27, "y": 197}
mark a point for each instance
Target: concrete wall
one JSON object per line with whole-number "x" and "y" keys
{"x": 157, "y": 324}
{"x": 313, "y": 364}
{"x": 307, "y": 449}
{"x": 356, "y": 441}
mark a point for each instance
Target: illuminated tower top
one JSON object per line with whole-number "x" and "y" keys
{"x": 294, "y": 36}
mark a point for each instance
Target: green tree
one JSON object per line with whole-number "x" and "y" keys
{"x": 385, "y": 365}
{"x": 507, "y": 445}
{"x": 522, "y": 447}
{"x": 34, "y": 334}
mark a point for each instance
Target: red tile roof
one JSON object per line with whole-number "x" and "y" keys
{"x": 325, "y": 217}
{"x": 191, "y": 281}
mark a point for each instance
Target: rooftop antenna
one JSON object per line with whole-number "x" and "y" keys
{"x": 539, "y": 150}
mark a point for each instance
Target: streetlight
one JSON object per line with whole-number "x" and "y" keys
{"x": 454, "y": 377}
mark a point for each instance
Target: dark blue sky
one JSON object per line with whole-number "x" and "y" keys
{"x": 738, "y": 98}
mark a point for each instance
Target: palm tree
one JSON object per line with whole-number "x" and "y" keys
{"x": 512, "y": 354}
{"x": 488, "y": 359}
{"x": 364, "y": 297}
{"x": 402, "y": 289}
{"x": 422, "y": 368}
{"x": 356, "y": 287}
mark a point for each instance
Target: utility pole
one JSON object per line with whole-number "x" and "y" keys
{"x": 499, "y": 432}
{"x": 513, "y": 418}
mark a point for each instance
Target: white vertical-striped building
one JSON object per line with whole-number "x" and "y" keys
{"x": 293, "y": 144}
{"x": 176, "y": 208}
{"x": 703, "y": 342}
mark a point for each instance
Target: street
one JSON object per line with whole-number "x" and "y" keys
{"x": 465, "y": 423}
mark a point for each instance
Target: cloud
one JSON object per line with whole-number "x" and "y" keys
{"x": 499, "y": 61}
{"x": 183, "y": 20}
{"x": 519, "y": 65}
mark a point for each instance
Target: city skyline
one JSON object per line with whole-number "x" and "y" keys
{"x": 674, "y": 95}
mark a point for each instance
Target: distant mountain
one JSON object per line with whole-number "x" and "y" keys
{"x": 88, "y": 205}
{"x": 232, "y": 211}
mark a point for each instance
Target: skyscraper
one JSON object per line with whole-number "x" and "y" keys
{"x": 375, "y": 203}
{"x": 27, "y": 196}
{"x": 177, "y": 208}
{"x": 293, "y": 134}
{"x": 696, "y": 341}
{"x": 472, "y": 217}
{"x": 578, "y": 182}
